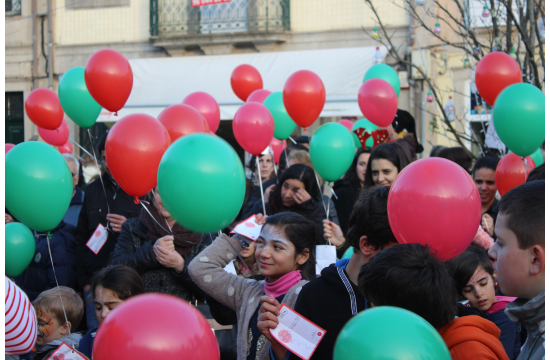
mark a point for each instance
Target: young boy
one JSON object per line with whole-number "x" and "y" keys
{"x": 52, "y": 328}
{"x": 518, "y": 256}
{"x": 409, "y": 277}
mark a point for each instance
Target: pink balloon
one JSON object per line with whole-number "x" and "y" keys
{"x": 253, "y": 127}
{"x": 207, "y": 106}
{"x": 348, "y": 124}
{"x": 435, "y": 202}
{"x": 378, "y": 102}
{"x": 57, "y": 137}
{"x": 277, "y": 146}
{"x": 66, "y": 148}
{"x": 9, "y": 147}
{"x": 258, "y": 96}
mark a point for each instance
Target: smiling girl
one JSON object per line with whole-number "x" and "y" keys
{"x": 385, "y": 163}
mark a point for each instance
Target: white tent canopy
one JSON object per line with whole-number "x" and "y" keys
{"x": 161, "y": 82}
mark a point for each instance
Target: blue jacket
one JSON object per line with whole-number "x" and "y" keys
{"x": 510, "y": 333}
{"x": 39, "y": 275}
{"x": 87, "y": 343}
{"x": 71, "y": 216}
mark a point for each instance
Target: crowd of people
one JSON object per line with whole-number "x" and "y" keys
{"x": 486, "y": 303}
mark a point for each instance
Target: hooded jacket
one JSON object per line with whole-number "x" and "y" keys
{"x": 472, "y": 337}
{"x": 46, "y": 350}
{"x": 71, "y": 216}
{"x": 531, "y": 314}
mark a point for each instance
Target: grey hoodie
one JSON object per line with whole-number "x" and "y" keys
{"x": 46, "y": 350}
{"x": 530, "y": 313}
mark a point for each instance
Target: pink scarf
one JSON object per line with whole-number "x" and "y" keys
{"x": 500, "y": 303}
{"x": 281, "y": 286}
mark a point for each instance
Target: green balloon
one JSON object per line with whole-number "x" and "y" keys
{"x": 384, "y": 72}
{"x": 39, "y": 185}
{"x": 332, "y": 150}
{"x": 369, "y": 127}
{"x": 75, "y": 99}
{"x": 348, "y": 253}
{"x": 518, "y": 116}
{"x": 202, "y": 183}
{"x": 20, "y": 248}
{"x": 387, "y": 332}
{"x": 284, "y": 126}
{"x": 537, "y": 157}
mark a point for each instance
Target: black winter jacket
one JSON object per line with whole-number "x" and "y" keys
{"x": 93, "y": 212}
{"x": 254, "y": 197}
{"x": 347, "y": 192}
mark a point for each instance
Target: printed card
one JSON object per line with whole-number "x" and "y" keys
{"x": 98, "y": 239}
{"x": 324, "y": 255}
{"x": 296, "y": 333}
{"x": 65, "y": 352}
{"x": 248, "y": 228}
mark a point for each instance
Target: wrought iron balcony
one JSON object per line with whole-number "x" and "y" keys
{"x": 179, "y": 17}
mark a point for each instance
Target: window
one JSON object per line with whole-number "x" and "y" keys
{"x": 14, "y": 117}
{"x": 13, "y": 7}
{"x": 90, "y": 4}
{"x": 475, "y": 10}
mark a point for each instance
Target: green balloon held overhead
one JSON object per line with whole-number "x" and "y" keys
{"x": 202, "y": 183}
{"x": 384, "y": 72}
{"x": 332, "y": 150}
{"x": 387, "y": 332}
{"x": 75, "y": 99}
{"x": 20, "y": 247}
{"x": 368, "y": 127}
{"x": 537, "y": 157}
{"x": 284, "y": 126}
{"x": 39, "y": 185}
{"x": 518, "y": 116}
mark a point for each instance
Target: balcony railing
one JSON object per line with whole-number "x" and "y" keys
{"x": 179, "y": 17}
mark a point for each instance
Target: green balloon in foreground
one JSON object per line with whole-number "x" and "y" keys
{"x": 39, "y": 185}
{"x": 537, "y": 157}
{"x": 202, "y": 183}
{"x": 369, "y": 127}
{"x": 518, "y": 116}
{"x": 384, "y": 72}
{"x": 348, "y": 253}
{"x": 76, "y": 100}
{"x": 284, "y": 126}
{"x": 332, "y": 150}
{"x": 387, "y": 332}
{"x": 20, "y": 247}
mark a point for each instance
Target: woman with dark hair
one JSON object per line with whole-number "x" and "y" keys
{"x": 267, "y": 167}
{"x": 284, "y": 253}
{"x": 110, "y": 287}
{"x": 385, "y": 162}
{"x": 458, "y": 155}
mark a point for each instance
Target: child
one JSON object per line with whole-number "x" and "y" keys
{"x": 52, "y": 328}
{"x": 473, "y": 272}
{"x": 519, "y": 261}
{"x": 409, "y": 277}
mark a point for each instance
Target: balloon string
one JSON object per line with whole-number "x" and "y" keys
{"x": 321, "y": 191}
{"x": 260, "y": 181}
{"x": 328, "y": 204}
{"x": 81, "y": 148}
{"x": 100, "y": 177}
{"x": 294, "y": 141}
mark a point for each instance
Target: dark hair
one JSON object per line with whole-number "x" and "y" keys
{"x": 101, "y": 143}
{"x": 486, "y": 162}
{"x": 252, "y": 164}
{"x": 536, "y": 174}
{"x": 370, "y": 217}
{"x": 351, "y": 174}
{"x": 464, "y": 266}
{"x": 124, "y": 281}
{"x": 284, "y": 154}
{"x": 457, "y": 155}
{"x": 409, "y": 277}
{"x": 392, "y": 152}
{"x": 525, "y": 206}
{"x": 436, "y": 150}
{"x": 302, "y": 139}
{"x": 300, "y": 231}
{"x": 301, "y": 173}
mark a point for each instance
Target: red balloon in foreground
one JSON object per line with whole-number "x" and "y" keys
{"x": 347, "y": 123}
{"x": 57, "y": 137}
{"x": 109, "y": 79}
{"x": 253, "y": 127}
{"x": 277, "y": 146}
{"x": 133, "y": 150}
{"x": 304, "y": 97}
{"x": 435, "y": 202}
{"x": 181, "y": 120}
{"x": 44, "y": 109}
{"x": 512, "y": 172}
{"x": 378, "y": 102}
{"x": 9, "y": 147}
{"x": 258, "y": 96}
{"x": 207, "y": 106}
{"x": 66, "y": 148}
{"x": 245, "y": 79}
{"x": 495, "y": 72}
{"x": 155, "y": 326}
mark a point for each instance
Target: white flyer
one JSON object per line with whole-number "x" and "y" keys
{"x": 324, "y": 256}
{"x": 296, "y": 333}
{"x": 98, "y": 239}
{"x": 248, "y": 228}
{"x": 65, "y": 352}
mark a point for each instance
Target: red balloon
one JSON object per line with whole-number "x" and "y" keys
{"x": 258, "y": 96}
{"x": 57, "y": 137}
{"x": 348, "y": 124}
{"x": 109, "y": 79}
{"x": 207, "y": 106}
{"x": 304, "y": 97}
{"x": 66, "y": 148}
{"x": 435, "y": 202}
{"x": 133, "y": 151}
{"x": 253, "y": 127}
{"x": 245, "y": 79}
{"x": 181, "y": 120}
{"x": 378, "y": 102}
{"x": 277, "y": 146}
{"x": 494, "y": 72}
{"x": 44, "y": 109}
{"x": 9, "y": 147}
{"x": 512, "y": 171}
{"x": 155, "y": 326}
